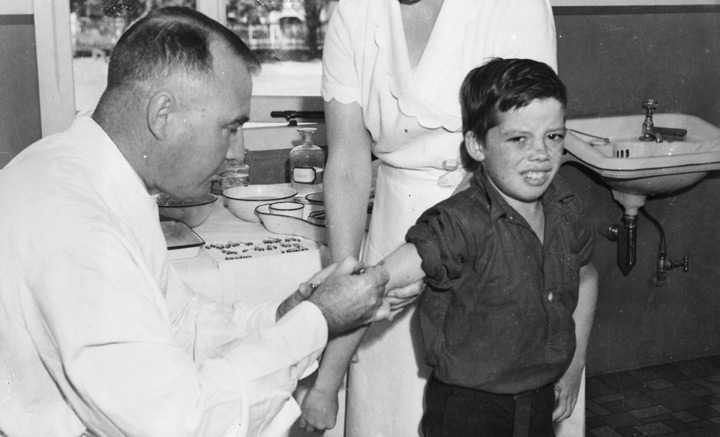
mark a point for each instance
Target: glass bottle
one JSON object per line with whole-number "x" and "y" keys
{"x": 236, "y": 174}
{"x": 307, "y": 164}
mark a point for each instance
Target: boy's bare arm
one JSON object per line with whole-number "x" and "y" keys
{"x": 566, "y": 389}
{"x": 404, "y": 266}
{"x": 320, "y": 404}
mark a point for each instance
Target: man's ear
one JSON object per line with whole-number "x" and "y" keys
{"x": 158, "y": 110}
{"x": 474, "y": 147}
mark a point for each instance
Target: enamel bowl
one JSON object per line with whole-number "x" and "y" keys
{"x": 310, "y": 225}
{"x": 192, "y": 212}
{"x": 242, "y": 201}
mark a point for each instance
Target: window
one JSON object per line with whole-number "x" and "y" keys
{"x": 75, "y": 37}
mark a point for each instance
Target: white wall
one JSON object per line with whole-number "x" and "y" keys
{"x": 16, "y": 7}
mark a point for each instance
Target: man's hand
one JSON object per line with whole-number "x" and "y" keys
{"x": 347, "y": 298}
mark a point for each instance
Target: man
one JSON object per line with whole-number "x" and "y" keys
{"x": 98, "y": 336}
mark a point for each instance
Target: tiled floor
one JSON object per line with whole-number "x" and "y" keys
{"x": 675, "y": 399}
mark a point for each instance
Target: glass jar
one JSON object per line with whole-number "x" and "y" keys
{"x": 307, "y": 164}
{"x": 236, "y": 174}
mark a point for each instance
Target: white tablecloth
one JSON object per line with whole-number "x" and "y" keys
{"x": 255, "y": 279}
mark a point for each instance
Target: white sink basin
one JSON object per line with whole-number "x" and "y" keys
{"x": 644, "y": 168}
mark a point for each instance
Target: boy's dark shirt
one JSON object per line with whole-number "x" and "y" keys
{"x": 497, "y": 315}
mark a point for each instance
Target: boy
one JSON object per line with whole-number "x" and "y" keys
{"x": 511, "y": 290}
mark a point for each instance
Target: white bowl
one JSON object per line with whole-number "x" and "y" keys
{"x": 191, "y": 212}
{"x": 285, "y": 225}
{"x": 290, "y": 209}
{"x": 242, "y": 201}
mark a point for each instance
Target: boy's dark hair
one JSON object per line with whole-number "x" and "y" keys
{"x": 504, "y": 84}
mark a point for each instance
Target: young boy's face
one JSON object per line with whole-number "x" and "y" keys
{"x": 521, "y": 155}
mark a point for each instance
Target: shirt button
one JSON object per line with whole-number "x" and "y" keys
{"x": 550, "y": 297}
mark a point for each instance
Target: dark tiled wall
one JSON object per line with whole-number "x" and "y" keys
{"x": 612, "y": 59}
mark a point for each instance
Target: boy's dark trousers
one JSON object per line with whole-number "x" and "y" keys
{"x": 453, "y": 411}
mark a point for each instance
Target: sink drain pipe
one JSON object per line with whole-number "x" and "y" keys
{"x": 625, "y": 233}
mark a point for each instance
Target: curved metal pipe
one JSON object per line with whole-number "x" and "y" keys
{"x": 625, "y": 234}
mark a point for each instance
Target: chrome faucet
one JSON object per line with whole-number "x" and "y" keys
{"x": 650, "y": 132}
{"x": 648, "y": 128}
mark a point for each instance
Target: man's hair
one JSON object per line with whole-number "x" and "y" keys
{"x": 504, "y": 84}
{"x": 167, "y": 42}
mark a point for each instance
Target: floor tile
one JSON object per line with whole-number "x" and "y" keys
{"x": 704, "y": 412}
{"x": 630, "y": 432}
{"x": 615, "y": 406}
{"x": 711, "y": 399}
{"x": 605, "y": 431}
{"x": 598, "y": 388}
{"x": 644, "y": 374}
{"x": 670, "y": 373}
{"x": 709, "y": 386}
{"x": 620, "y": 420}
{"x": 657, "y": 428}
{"x": 657, "y": 384}
{"x": 655, "y": 410}
{"x": 639, "y": 402}
{"x": 706, "y": 431}
{"x": 684, "y": 416}
{"x": 687, "y": 385}
{"x": 594, "y": 408}
{"x": 617, "y": 381}
{"x": 674, "y": 399}
{"x": 676, "y": 424}
{"x": 593, "y": 423}
{"x": 608, "y": 398}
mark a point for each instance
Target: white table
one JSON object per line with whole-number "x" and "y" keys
{"x": 256, "y": 279}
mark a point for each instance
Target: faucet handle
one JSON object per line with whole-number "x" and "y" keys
{"x": 650, "y": 106}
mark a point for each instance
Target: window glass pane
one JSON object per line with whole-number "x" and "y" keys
{"x": 286, "y": 35}
{"x": 95, "y": 26}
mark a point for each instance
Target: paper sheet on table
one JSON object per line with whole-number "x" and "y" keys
{"x": 268, "y": 269}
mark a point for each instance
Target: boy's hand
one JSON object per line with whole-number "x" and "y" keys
{"x": 399, "y": 298}
{"x": 319, "y": 411}
{"x": 566, "y": 392}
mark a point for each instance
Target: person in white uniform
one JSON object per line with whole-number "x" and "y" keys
{"x": 391, "y": 77}
{"x": 98, "y": 335}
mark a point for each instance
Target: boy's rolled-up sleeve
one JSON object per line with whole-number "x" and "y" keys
{"x": 441, "y": 241}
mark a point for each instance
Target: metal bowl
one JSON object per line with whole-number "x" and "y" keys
{"x": 192, "y": 212}
{"x": 242, "y": 201}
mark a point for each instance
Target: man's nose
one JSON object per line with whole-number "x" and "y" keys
{"x": 237, "y": 148}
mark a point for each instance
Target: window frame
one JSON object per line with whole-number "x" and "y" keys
{"x": 55, "y": 67}
{"x": 55, "y": 59}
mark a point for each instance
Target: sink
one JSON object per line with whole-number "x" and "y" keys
{"x": 640, "y": 168}
{"x": 635, "y": 169}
